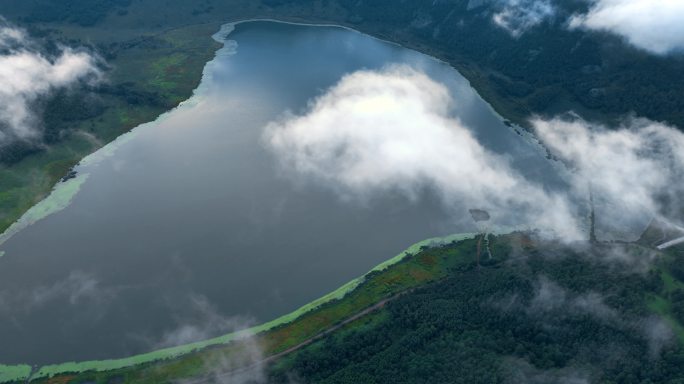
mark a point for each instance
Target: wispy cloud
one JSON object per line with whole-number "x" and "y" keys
{"x": 522, "y": 372}
{"x": 392, "y": 130}
{"x": 633, "y": 171}
{"x": 201, "y": 321}
{"x": 518, "y": 16}
{"x": 550, "y": 303}
{"x": 551, "y": 297}
{"x": 655, "y": 26}
{"x": 657, "y": 332}
{"x": 242, "y": 363}
{"x": 27, "y": 74}
{"x": 74, "y": 289}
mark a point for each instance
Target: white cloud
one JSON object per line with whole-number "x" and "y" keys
{"x": 201, "y": 323}
{"x": 26, "y": 75}
{"x": 551, "y": 303}
{"x": 634, "y": 172}
{"x": 517, "y": 16}
{"x": 551, "y": 297}
{"x": 9, "y": 36}
{"x": 242, "y": 364}
{"x": 392, "y": 130}
{"x": 653, "y": 25}
{"x": 657, "y": 332}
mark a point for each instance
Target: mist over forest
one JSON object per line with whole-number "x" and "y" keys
{"x": 555, "y": 243}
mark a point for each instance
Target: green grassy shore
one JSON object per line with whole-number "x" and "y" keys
{"x": 404, "y": 271}
{"x": 423, "y": 268}
{"x": 173, "y": 70}
{"x": 157, "y": 57}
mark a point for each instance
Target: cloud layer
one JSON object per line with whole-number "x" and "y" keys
{"x": 655, "y": 26}
{"x": 633, "y": 172}
{"x": 391, "y": 130}
{"x": 242, "y": 364}
{"x": 26, "y": 75}
{"x": 204, "y": 323}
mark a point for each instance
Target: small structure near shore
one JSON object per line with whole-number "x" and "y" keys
{"x": 70, "y": 175}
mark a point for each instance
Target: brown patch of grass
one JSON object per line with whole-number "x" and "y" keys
{"x": 60, "y": 379}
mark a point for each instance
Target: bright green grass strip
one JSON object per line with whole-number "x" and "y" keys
{"x": 109, "y": 149}
{"x": 59, "y": 198}
{"x": 10, "y": 373}
{"x": 64, "y": 192}
{"x": 174, "y": 352}
{"x": 670, "y": 282}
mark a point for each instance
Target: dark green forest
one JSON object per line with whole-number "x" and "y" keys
{"x": 549, "y": 69}
{"x": 84, "y": 13}
{"x": 533, "y": 314}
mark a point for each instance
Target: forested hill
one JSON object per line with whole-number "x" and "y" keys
{"x": 534, "y": 313}
{"x": 547, "y": 69}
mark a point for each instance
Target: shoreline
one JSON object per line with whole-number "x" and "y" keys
{"x": 10, "y": 373}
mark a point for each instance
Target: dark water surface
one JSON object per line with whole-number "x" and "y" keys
{"x": 191, "y": 222}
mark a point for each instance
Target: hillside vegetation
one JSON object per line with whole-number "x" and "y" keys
{"x": 534, "y": 314}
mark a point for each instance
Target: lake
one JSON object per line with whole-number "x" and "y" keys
{"x": 189, "y": 228}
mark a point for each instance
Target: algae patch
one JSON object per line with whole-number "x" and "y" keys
{"x": 10, "y": 373}
{"x": 60, "y": 197}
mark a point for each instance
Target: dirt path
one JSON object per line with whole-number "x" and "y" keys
{"x": 226, "y": 375}
{"x": 485, "y": 236}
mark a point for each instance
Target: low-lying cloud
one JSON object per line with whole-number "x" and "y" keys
{"x": 655, "y": 26}
{"x": 517, "y": 16}
{"x": 519, "y": 371}
{"x": 204, "y": 322}
{"x": 551, "y": 297}
{"x": 550, "y": 303}
{"x": 632, "y": 172}
{"x": 74, "y": 289}
{"x": 392, "y": 130}
{"x": 27, "y": 74}
{"x": 243, "y": 363}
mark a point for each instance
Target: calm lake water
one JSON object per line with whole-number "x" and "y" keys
{"x": 191, "y": 227}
